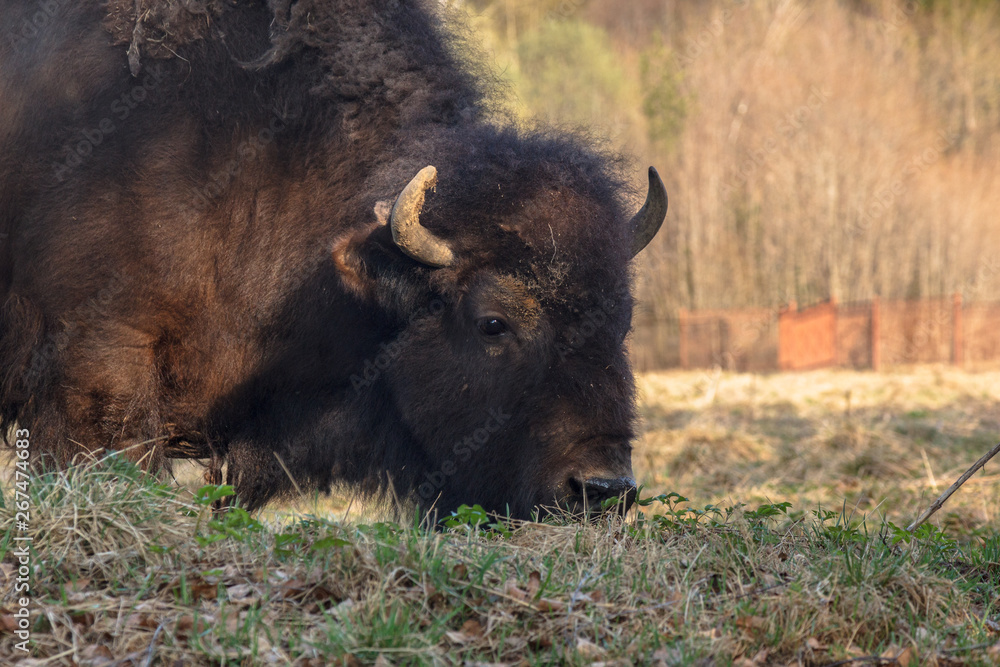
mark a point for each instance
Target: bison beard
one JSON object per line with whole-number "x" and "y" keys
{"x": 303, "y": 241}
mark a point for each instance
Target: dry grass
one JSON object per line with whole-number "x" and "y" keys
{"x": 132, "y": 571}
{"x": 892, "y": 441}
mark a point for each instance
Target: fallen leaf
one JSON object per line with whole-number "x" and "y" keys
{"x": 547, "y": 605}
{"x": 460, "y": 571}
{"x": 435, "y": 598}
{"x": 187, "y": 625}
{"x": 8, "y": 623}
{"x": 815, "y": 644}
{"x": 588, "y": 650}
{"x": 905, "y": 657}
{"x": 458, "y": 637}
{"x": 473, "y": 627}
{"x": 84, "y": 618}
{"x": 853, "y": 651}
{"x": 343, "y": 607}
{"x": 382, "y": 661}
{"x": 471, "y": 631}
{"x": 96, "y": 654}
{"x": 240, "y": 591}
{"x": 197, "y": 588}
{"x": 296, "y": 590}
{"x": 78, "y": 585}
{"x": 141, "y": 621}
{"x": 751, "y": 622}
{"x": 511, "y": 590}
{"x": 534, "y": 583}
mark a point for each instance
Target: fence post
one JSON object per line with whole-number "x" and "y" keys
{"x": 876, "y": 325}
{"x": 682, "y": 342}
{"x": 784, "y": 324}
{"x": 957, "y": 342}
{"x": 833, "y": 334}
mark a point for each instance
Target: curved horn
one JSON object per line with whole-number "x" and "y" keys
{"x": 647, "y": 221}
{"x": 407, "y": 233}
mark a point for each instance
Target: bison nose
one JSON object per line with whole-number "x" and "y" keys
{"x": 596, "y": 490}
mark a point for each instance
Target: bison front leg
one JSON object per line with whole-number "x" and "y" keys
{"x": 110, "y": 393}
{"x": 256, "y": 474}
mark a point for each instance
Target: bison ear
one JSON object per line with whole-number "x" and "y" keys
{"x": 647, "y": 221}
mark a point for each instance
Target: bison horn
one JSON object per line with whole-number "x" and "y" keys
{"x": 647, "y": 221}
{"x": 408, "y": 234}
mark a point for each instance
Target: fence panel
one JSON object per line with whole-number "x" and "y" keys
{"x": 858, "y": 335}
{"x": 981, "y": 323}
{"x": 854, "y": 336}
{"x": 917, "y": 332}
{"x": 738, "y": 340}
{"x": 808, "y": 338}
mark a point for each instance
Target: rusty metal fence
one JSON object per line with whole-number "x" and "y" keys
{"x": 856, "y": 335}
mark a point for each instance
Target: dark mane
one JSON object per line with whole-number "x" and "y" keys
{"x": 358, "y": 55}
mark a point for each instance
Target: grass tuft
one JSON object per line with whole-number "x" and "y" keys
{"x": 131, "y": 570}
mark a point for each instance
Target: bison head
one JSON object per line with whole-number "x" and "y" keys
{"x": 509, "y": 296}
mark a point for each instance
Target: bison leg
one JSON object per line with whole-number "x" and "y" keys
{"x": 256, "y": 474}
{"x": 109, "y": 390}
{"x": 213, "y": 476}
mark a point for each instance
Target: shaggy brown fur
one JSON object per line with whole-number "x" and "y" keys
{"x": 192, "y": 264}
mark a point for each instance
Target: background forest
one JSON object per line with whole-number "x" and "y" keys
{"x": 811, "y": 149}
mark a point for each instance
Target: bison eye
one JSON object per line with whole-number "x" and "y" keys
{"x": 491, "y": 326}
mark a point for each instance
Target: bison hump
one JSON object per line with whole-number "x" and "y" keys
{"x": 158, "y": 28}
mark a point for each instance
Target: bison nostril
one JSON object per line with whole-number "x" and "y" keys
{"x": 599, "y": 489}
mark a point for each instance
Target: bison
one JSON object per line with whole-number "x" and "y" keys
{"x": 304, "y": 241}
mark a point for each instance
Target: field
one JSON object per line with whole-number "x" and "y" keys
{"x": 785, "y": 546}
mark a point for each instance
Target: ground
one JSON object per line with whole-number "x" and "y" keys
{"x": 773, "y": 534}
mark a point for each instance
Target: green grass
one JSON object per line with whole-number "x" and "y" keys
{"x": 677, "y": 584}
{"x": 789, "y": 551}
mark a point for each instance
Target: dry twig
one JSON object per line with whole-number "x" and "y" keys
{"x": 936, "y": 505}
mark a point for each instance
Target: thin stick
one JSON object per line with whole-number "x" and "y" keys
{"x": 936, "y": 505}
{"x": 285, "y": 468}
